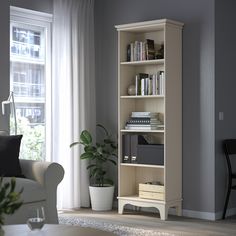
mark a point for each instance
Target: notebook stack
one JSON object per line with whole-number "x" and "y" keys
{"x": 144, "y": 121}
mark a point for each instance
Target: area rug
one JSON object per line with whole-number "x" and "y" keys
{"x": 115, "y": 228}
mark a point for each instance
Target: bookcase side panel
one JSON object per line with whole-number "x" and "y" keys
{"x": 173, "y": 113}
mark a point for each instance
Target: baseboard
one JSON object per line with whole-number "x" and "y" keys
{"x": 199, "y": 214}
{"x": 208, "y": 215}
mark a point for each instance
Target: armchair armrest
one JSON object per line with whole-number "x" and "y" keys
{"x": 49, "y": 175}
{"x": 43, "y": 172}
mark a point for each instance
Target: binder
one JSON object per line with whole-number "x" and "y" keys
{"x": 133, "y": 147}
{"x": 126, "y": 148}
{"x": 135, "y": 139}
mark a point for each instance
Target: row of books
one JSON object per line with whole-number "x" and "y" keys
{"x": 141, "y": 50}
{"x": 153, "y": 84}
{"x": 144, "y": 121}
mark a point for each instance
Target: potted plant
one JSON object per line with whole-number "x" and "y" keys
{"x": 9, "y": 200}
{"x": 101, "y": 188}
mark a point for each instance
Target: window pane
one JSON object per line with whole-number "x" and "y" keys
{"x": 28, "y": 84}
{"x": 27, "y": 43}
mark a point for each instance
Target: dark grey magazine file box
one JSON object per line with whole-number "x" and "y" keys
{"x": 150, "y": 154}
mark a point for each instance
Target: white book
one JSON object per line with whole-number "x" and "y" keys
{"x": 132, "y": 52}
{"x": 140, "y": 128}
{"x": 160, "y": 84}
{"x": 146, "y": 85}
{"x": 142, "y": 87}
{"x": 144, "y": 113}
{"x": 150, "y": 92}
{"x": 164, "y": 82}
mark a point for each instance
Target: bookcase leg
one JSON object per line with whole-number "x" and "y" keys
{"x": 121, "y": 207}
{"x": 163, "y": 212}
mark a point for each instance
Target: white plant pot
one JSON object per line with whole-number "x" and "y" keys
{"x": 101, "y": 197}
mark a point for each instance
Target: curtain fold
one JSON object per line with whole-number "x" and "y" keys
{"x": 73, "y": 92}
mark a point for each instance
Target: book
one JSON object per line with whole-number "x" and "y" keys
{"x": 141, "y": 128}
{"x": 143, "y": 86}
{"x": 138, "y": 82}
{"x": 132, "y": 52}
{"x": 143, "y": 114}
{"x": 150, "y": 49}
{"x": 145, "y": 120}
{"x": 129, "y": 52}
{"x": 161, "y": 83}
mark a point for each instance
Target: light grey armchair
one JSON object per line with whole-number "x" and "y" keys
{"x": 40, "y": 189}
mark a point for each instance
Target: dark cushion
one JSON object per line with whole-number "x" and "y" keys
{"x": 9, "y": 156}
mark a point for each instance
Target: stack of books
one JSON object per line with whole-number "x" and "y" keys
{"x": 144, "y": 121}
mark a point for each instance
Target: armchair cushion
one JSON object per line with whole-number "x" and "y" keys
{"x": 9, "y": 156}
{"x": 32, "y": 190}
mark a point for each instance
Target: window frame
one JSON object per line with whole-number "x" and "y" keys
{"x": 44, "y": 20}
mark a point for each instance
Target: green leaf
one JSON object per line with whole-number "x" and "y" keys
{"x": 95, "y": 172}
{"x": 114, "y": 155}
{"x": 86, "y": 155}
{"x": 13, "y": 184}
{"x": 112, "y": 161}
{"x": 73, "y": 144}
{"x": 114, "y": 146}
{"x": 90, "y": 166}
{"x": 85, "y": 137}
{"x": 9, "y": 199}
{"x": 101, "y": 126}
{"x": 89, "y": 149}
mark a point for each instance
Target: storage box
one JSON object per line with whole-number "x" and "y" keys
{"x": 151, "y": 191}
{"x": 150, "y": 154}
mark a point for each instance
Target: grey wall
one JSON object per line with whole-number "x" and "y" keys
{"x": 225, "y": 95}
{"x": 4, "y": 59}
{"x": 37, "y": 5}
{"x": 198, "y": 82}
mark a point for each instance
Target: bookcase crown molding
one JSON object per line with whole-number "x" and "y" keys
{"x": 146, "y": 26}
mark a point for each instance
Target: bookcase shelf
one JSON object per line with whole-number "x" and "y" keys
{"x": 166, "y": 102}
{"x": 141, "y": 131}
{"x": 143, "y": 97}
{"x": 137, "y": 198}
{"x": 142, "y": 165}
{"x": 146, "y": 62}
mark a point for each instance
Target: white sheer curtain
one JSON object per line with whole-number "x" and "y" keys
{"x": 73, "y": 90}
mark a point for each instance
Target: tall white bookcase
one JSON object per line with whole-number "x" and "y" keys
{"x": 130, "y": 175}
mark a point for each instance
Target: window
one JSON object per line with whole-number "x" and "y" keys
{"x": 30, "y": 80}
